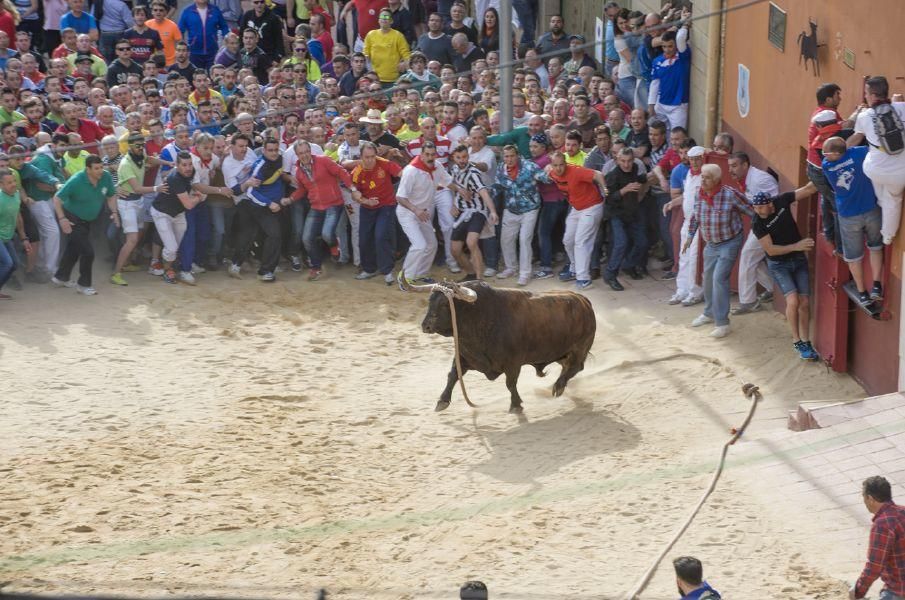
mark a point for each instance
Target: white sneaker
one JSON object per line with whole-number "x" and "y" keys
{"x": 59, "y": 283}
{"x": 365, "y": 275}
{"x": 186, "y": 278}
{"x": 488, "y": 272}
{"x": 235, "y": 271}
{"x": 505, "y": 274}
{"x": 720, "y": 331}
{"x": 523, "y": 281}
{"x": 692, "y": 300}
{"x": 267, "y": 277}
{"x": 676, "y": 299}
{"x": 701, "y": 319}
{"x": 198, "y": 269}
{"x": 455, "y": 269}
{"x": 389, "y": 278}
{"x": 86, "y": 291}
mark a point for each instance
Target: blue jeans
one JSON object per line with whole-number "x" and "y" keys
{"x": 791, "y": 274}
{"x": 625, "y": 234}
{"x": 625, "y": 89}
{"x": 7, "y": 261}
{"x": 375, "y": 238}
{"x": 551, "y": 213}
{"x": 299, "y": 214}
{"x": 490, "y": 247}
{"x": 525, "y": 10}
{"x": 197, "y": 234}
{"x": 221, "y": 224}
{"x": 320, "y": 223}
{"x": 202, "y": 61}
{"x": 718, "y": 262}
{"x": 887, "y": 594}
{"x": 855, "y": 230}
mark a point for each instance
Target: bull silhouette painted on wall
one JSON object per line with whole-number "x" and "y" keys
{"x": 807, "y": 45}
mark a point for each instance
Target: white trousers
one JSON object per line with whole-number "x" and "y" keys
{"x": 518, "y": 230}
{"x": 581, "y": 230}
{"x": 46, "y": 221}
{"x": 170, "y": 229}
{"x": 889, "y": 184}
{"x": 443, "y": 200}
{"x": 353, "y": 209}
{"x": 674, "y": 115}
{"x": 422, "y": 240}
{"x": 688, "y": 266}
{"x": 752, "y": 269}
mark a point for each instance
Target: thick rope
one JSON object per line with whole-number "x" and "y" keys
{"x": 450, "y": 297}
{"x": 751, "y": 392}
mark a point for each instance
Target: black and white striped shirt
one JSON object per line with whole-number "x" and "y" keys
{"x": 469, "y": 178}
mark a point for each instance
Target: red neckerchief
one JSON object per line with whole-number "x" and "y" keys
{"x": 199, "y": 97}
{"x": 742, "y": 186}
{"x": 708, "y": 198}
{"x": 694, "y": 172}
{"x": 288, "y": 141}
{"x": 204, "y": 163}
{"x": 419, "y": 164}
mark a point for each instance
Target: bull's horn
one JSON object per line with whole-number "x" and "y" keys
{"x": 405, "y": 286}
{"x": 463, "y": 293}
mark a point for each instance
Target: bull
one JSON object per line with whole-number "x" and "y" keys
{"x": 502, "y": 329}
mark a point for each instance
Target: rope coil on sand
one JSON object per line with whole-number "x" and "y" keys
{"x": 752, "y": 392}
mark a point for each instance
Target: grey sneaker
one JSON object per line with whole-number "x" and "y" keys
{"x": 765, "y": 297}
{"x": 692, "y": 300}
{"x": 744, "y": 309}
{"x": 365, "y": 275}
{"x": 235, "y": 271}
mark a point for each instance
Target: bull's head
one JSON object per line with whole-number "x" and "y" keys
{"x": 438, "y": 318}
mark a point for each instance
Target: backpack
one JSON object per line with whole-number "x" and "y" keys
{"x": 889, "y": 129}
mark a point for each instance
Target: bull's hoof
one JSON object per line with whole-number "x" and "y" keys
{"x": 558, "y": 390}
{"x": 515, "y": 409}
{"x": 441, "y": 405}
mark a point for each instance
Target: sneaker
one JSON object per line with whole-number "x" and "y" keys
{"x": 864, "y": 299}
{"x": 86, "y": 290}
{"x": 669, "y": 275}
{"x": 720, "y": 331}
{"x": 812, "y": 351}
{"x": 296, "y": 263}
{"x": 389, "y": 278}
{"x": 543, "y": 274}
{"x": 131, "y": 269}
{"x": 488, "y": 272}
{"x": 805, "y": 350}
{"x": 267, "y": 277}
{"x": 676, "y": 299}
{"x": 235, "y": 271}
{"x": 765, "y": 297}
{"x": 455, "y": 269}
{"x": 169, "y": 276}
{"x": 692, "y": 300}
{"x": 567, "y": 276}
{"x": 186, "y": 278}
{"x": 156, "y": 268}
{"x": 523, "y": 281}
{"x": 59, "y": 283}
{"x": 117, "y": 279}
{"x": 425, "y": 280}
{"x": 614, "y": 285}
{"x": 365, "y": 275}
{"x": 701, "y": 319}
{"x": 505, "y": 274}
{"x": 876, "y": 292}
{"x": 744, "y": 309}
{"x": 314, "y": 274}
{"x": 278, "y": 269}
{"x": 198, "y": 269}
{"x": 583, "y": 284}
{"x": 5, "y": 296}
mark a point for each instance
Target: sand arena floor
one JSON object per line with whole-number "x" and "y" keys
{"x": 244, "y": 439}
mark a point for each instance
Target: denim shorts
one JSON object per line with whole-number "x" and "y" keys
{"x": 791, "y": 274}
{"x": 856, "y": 229}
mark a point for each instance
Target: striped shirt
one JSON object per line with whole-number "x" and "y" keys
{"x": 719, "y": 214}
{"x": 444, "y": 148}
{"x": 469, "y": 178}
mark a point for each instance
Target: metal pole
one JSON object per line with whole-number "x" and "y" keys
{"x": 505, "y": 66}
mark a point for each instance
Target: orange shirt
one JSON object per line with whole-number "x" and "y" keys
{"x": 577, "y": 183}
{"x": 169, "y": 35}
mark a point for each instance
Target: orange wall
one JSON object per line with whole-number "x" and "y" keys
{"x": 781, "y": 102}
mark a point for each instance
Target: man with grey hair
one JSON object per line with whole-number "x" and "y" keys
{"x": 465, "y": 53}
{"x": 717, "y": 213}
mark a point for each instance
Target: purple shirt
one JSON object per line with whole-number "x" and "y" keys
{"x": 549, "y": 192}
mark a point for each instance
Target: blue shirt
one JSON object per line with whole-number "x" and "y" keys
{"x": 677, "y": 177}
{"x": 674, "y": 74}
{"x": 202, "y": 37}
{"x": 854, "y": 191}
{"x": 82, "y": 24}
{"x": 269, "y": 173}
{"x": 611, "y": 53}
{"x": 703, "y": 592}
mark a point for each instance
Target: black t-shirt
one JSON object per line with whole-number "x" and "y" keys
{"x": 169, "y": 202}
{"x": 186, "y": 72}
{"x": 623, "y": 206}
{"x": 143, "y": 44}
{"x": 780, "y": 225}
{"x": 386, "y": 139}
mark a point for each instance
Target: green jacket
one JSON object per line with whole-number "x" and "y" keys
{"x": 42, "y": 169}
{"x": 518, "y": 136}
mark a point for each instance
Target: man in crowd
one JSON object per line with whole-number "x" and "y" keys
{"x": 671, "y": 79}
{"x": 474, "y": 217}
{"x": 627, "y": 185}
{"x": 886, "y": 544}
{"x": 690, "y": 580}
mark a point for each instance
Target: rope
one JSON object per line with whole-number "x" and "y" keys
{"x": 452, "y": 312}
{"x": 752, "y": 392}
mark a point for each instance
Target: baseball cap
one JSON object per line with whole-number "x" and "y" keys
{"x": 696, "y": 152}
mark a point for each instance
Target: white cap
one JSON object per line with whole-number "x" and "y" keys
{"x": 824, "y": 116}
{"x": 696, "y": 152}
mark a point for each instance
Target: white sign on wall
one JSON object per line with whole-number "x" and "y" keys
{"x": 599, "y": 39}
{"x": 743, "y": 97}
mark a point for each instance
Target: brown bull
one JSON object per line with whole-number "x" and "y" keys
{"x": 502, "y": 329}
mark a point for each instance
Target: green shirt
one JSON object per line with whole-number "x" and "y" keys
{"x": 518, "y": 136}
{"x": 30, "y": 175}
{"x": 10, "y": 117}
{"x": 75, "y": 164}
{"x": 129, "y": 170}
{"x": 83, "y": 199}
{"x": 9, "y": 211}
{"x": 49, "y": 166}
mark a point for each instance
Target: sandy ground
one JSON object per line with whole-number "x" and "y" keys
{"x": 243, "y": 439}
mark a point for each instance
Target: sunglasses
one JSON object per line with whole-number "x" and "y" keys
{"x": 302, "y": 49}
{"x": 125, "y": 48}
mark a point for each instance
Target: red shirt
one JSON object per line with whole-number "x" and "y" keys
{"x": 378, "y": 182}
{"x": 886, "y": 551}
{"x": 670, "y": 161}
{"x": 90, "y": 132}
{"x": 578, "y": 185}
{"x": 368, "y": 12}
{"x": 152, "y": 148}
{"x": 326, "y": 41}
{"x": 8, "y": 25}
{"x": 62, "y": 51}
{"x": 813, "y": 131}
{"x": 442, "y": 144}
{"x": 322, "y": 187}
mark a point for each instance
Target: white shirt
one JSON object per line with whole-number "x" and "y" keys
{"x": 864, "y": 125}
{"x": 236, "y": 172}
{"x": 418, "y": 186}
{"x": 456, "y": 134}
{"x": 291, "y": 160}
{"x": 689, "y": 193}
{"x": 485, "y": 155}
{"x": 760, "y": 181}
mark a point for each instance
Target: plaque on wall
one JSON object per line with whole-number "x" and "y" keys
{"x": 776, "y": 31}
{"x": 848, "y": 58}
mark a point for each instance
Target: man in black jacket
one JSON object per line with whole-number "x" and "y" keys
{"x": 627, "y": 185}
{"x": 269, "y": 28}
{"x": 253, "y": 57}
